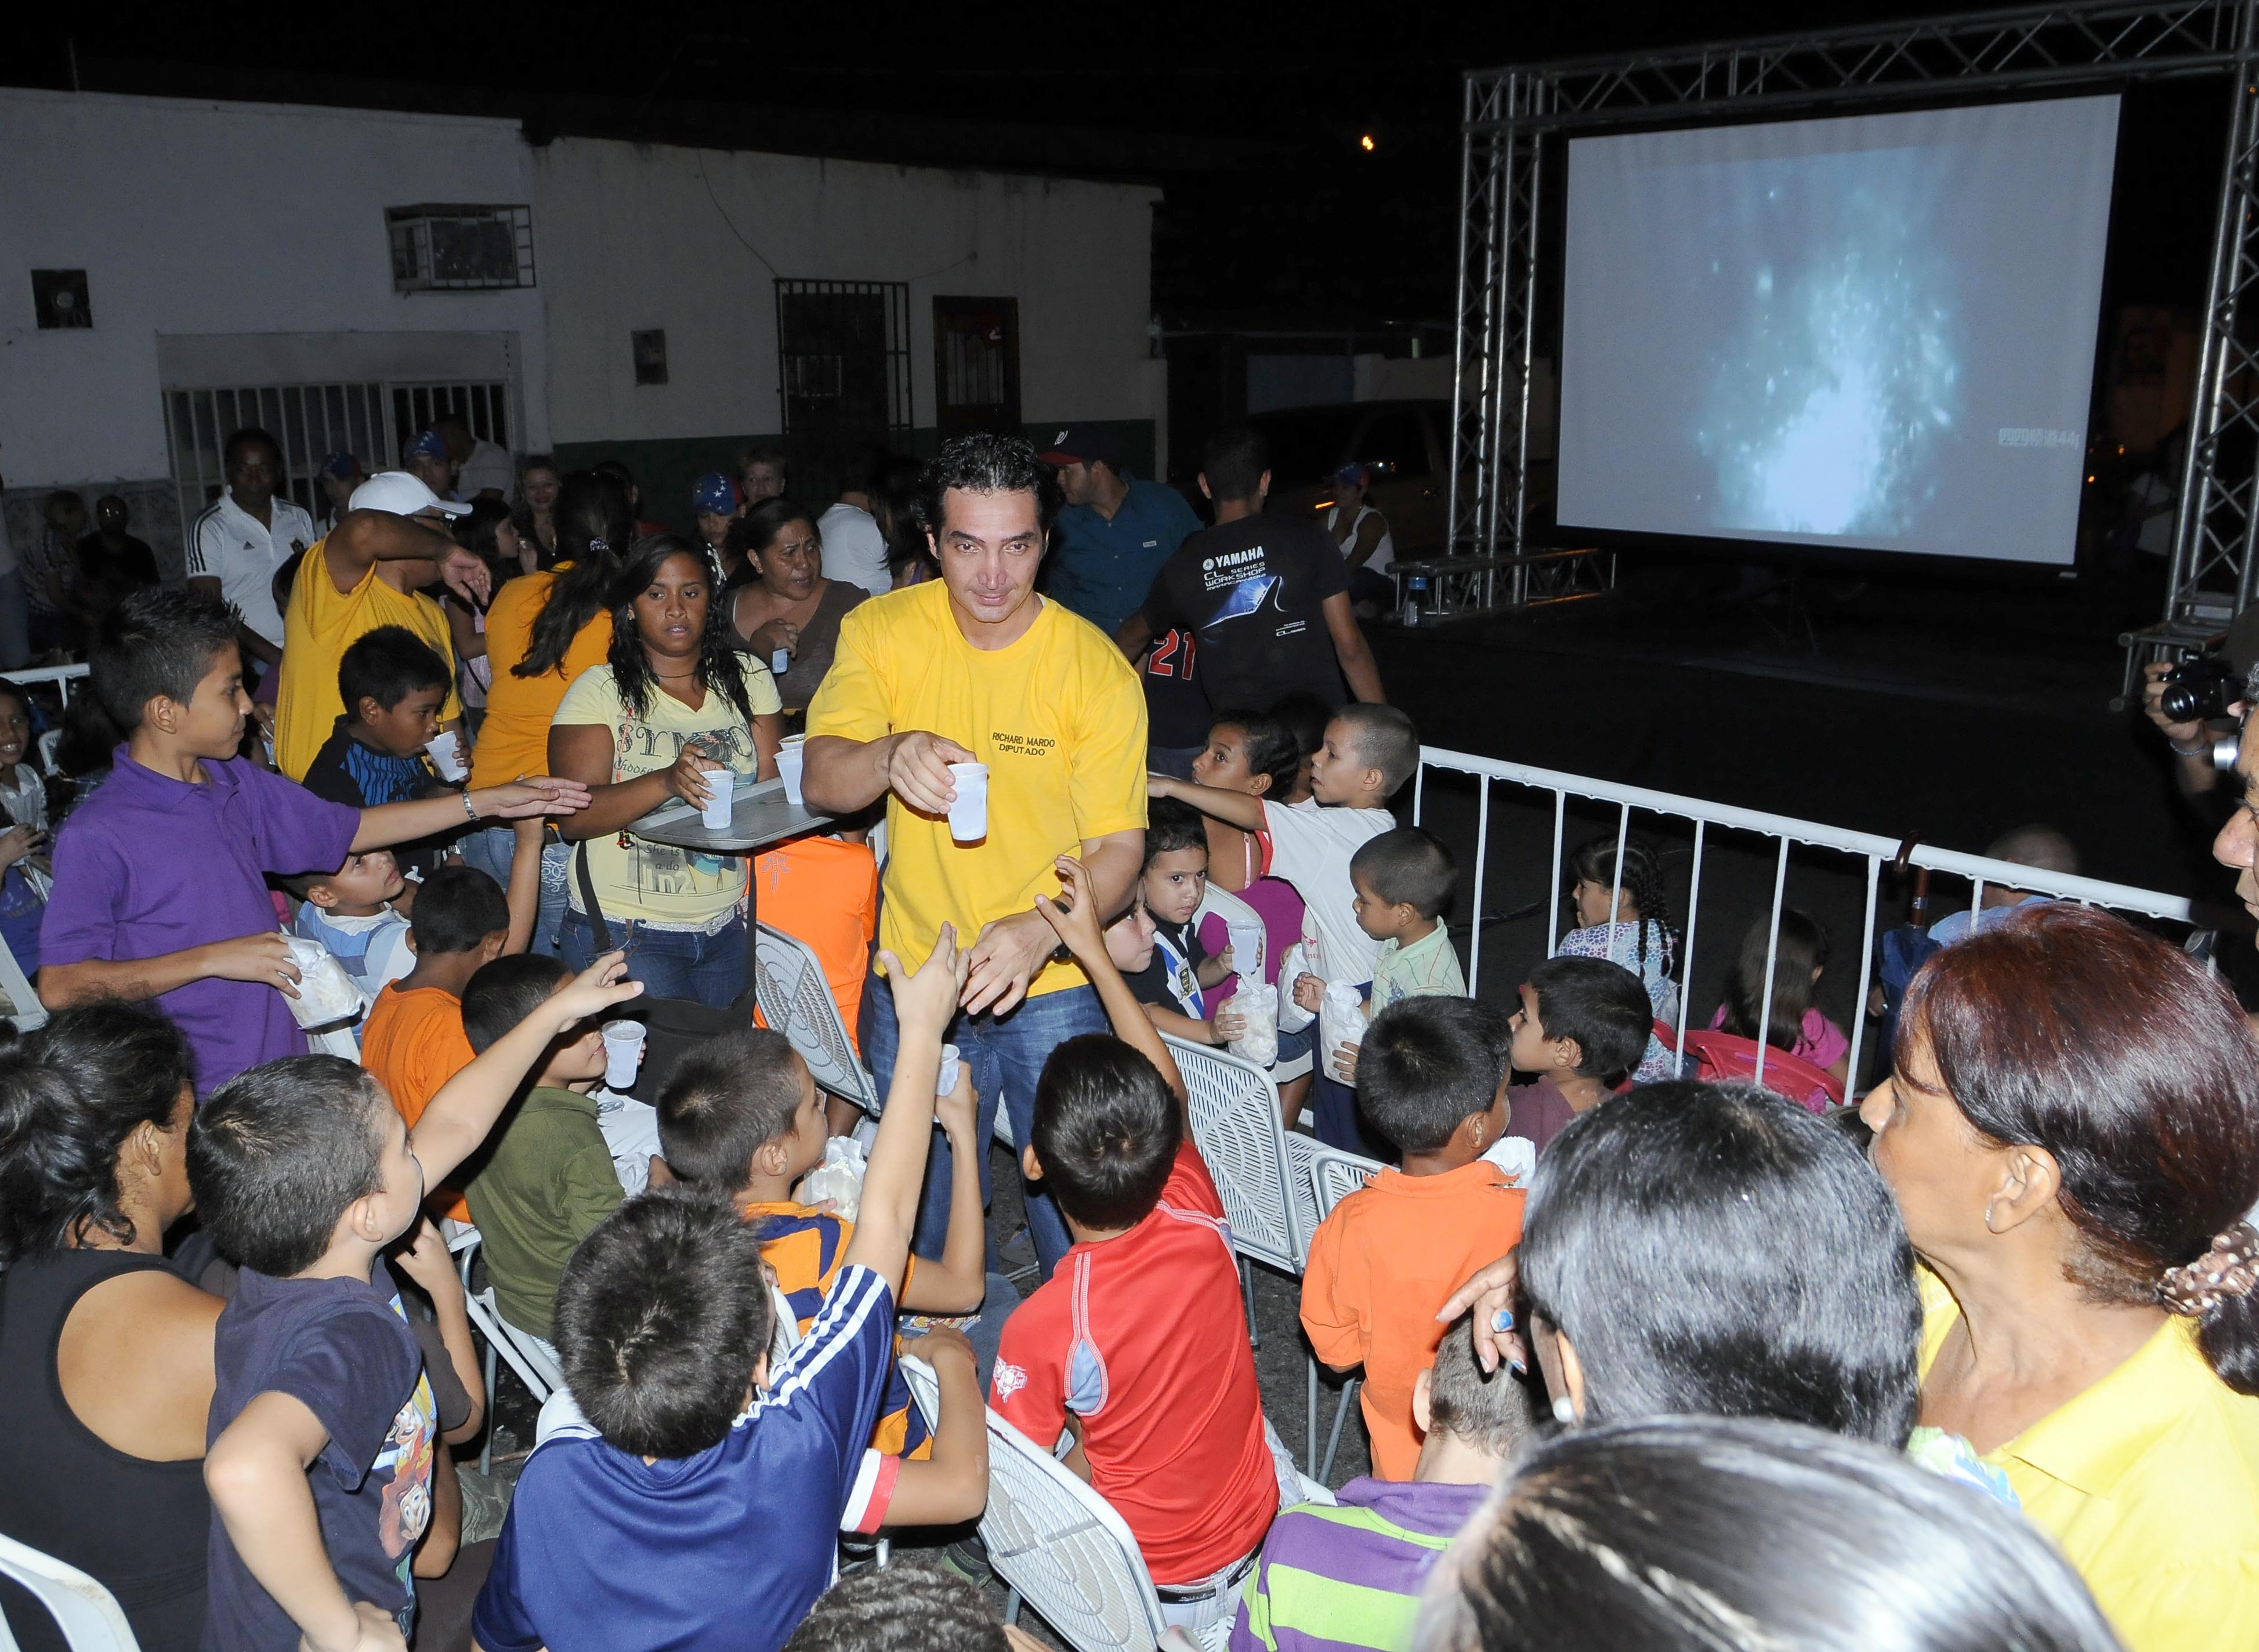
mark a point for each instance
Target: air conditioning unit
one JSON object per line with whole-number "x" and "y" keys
{"x": 448, "y": 248}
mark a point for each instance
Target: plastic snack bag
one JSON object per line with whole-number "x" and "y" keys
{"x": 326, "y": 994}
{"x": 839, "y": 1178}
{"x": 1292, "y": 964}
{"x": 1340, "y": 1020}
{"x": 1257, "y": 1010}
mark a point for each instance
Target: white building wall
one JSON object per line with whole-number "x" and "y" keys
{"x": 209, "y": 218}
{"x": 637, "y": 236}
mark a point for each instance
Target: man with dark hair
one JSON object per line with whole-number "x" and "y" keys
{"x": 483, "y": 469}
{"x": 854, "y": 546}
{"x": 1264, "y": 597}
{"x": 106, "y": 566}
{"x": 975, "y": 668}
{"x": 430, "y": 461}
{"x": 244, "y": 535}
{"x": 1115, "y": 533}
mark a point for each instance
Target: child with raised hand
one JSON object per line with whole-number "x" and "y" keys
{"x": 1137, "y": 1343}
{"x": 1368, "y": 752}
{"x": 686, "y": 1493}
{"x": 161, "y": 876}
{"x": 323, "y": 1427}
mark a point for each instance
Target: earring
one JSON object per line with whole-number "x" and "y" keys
{"x": 1564, "y": 1410}
{"x": 1989, "y": 1227}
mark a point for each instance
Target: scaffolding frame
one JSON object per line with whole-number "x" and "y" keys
{"x": 1516, "y": 121}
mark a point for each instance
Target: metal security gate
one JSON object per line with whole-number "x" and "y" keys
{"x": 369, "y": 419}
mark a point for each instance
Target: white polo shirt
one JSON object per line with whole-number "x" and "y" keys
{"x": 228, "y": 544}
{"x": 489, "y": 465}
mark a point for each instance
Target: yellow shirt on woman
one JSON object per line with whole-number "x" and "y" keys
{"x": 2148, "y": 1482}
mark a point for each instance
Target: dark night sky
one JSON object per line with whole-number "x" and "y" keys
{"x": 1287, "y": 216}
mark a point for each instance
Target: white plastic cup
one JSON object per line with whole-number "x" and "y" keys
{"x": 622, "y": 1053}
{"x": 779, "y": 663}
{"x": 947, "y": 1080}
{"x": 968, "y": 815}
{"x": 789, "y": 759}
{"x": 719, "y": 785}
{"x": 446, "y": 750}
{"x": 1246, "y": 947}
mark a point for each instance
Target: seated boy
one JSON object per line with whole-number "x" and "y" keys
{"x": 349, "y": 913}
{"x": 323, "y": 1427}
{"x": 1583, "y": 1025}
{"x": 1368, "y": 752}
{"x": 544, "y": 1180}
{"x": 413, "y": 1039}
{"x": 1432, "y": 1079}
{"x": 1177, "y": 971}
{"x": 685, "y": 1491}
{"x": 161, "y": 885}
{"x": 1403, "y": 880}
{"x": 393, "y": 684}
{"x": 741, "y": 1117}
{"x": 1137, "y": 1343}
{"x": 1350, "y": 1574}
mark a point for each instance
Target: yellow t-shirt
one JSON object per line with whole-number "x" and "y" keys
{"x": 657, "y": 883}
{"x": 2148, "y": 1482}
{"x": 1059, "y": 718}
{"x": 321, "y": 623}
{"x": 514, "y": 737}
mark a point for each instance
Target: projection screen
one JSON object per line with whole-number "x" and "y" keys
{"x": 1876, "y": 332}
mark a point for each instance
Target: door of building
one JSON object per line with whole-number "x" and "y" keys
{"x": 976, "y": 365}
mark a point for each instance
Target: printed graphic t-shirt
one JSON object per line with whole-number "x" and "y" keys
{"x": 1253, "y": 592}
{"x": 342, "y": 1348}
{"x": 657, "y": 883}
{"x": 1059, "y": 718}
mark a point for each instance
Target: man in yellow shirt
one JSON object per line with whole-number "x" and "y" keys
{"x": 370, "y": 571}
{"x": 976, "y": 668}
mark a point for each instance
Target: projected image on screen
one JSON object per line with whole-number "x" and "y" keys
{"x": 1876, "y": 332}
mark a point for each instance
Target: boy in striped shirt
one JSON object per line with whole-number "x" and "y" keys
{"x": 1350, "y": 1574}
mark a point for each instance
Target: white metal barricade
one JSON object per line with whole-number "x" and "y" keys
{"x": 1875, "y": 850}
{"x": 61, "y": 676}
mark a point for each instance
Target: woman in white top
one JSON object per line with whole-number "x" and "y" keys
{"x": 674, "y": 711}
{"x": 1362, "y": 534}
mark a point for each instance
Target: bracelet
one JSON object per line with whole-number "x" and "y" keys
{"x": 469, "y": 807}
{"x": 2201, "y": 748}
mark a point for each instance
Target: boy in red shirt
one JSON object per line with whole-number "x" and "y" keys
{"x": 1137, "y": 1345}
{"x": 1431, "y": 1078}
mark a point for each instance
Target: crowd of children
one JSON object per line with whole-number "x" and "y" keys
{"x": 732, "y": 1334}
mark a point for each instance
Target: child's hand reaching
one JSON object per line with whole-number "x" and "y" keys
{"x": 1309, "y": 991}
{"x": 425, "y": 1259}
{"x": 595, "y": 990}
{"x": 1163, "y": 786}
{"x": 374, "y": 1631}
{"x": 958, "y": 1112}
{"x": 926, "y": 1001}
{"x": 1072, "y": 915}
{"x": 20, "y": 843}
{"x": 1229, "y": 1022}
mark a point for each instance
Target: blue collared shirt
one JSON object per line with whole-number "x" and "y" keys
{"x": 1102, "y": 568}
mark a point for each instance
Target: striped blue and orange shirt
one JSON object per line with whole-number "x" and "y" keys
{"x": 805, "y": 1247}
{"x": 1349, "y": 1574}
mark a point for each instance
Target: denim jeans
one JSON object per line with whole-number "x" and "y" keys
{"x": 669, "y": 963}
{"x": 489, "y": 848}
{"x": 1004, "y": 1054}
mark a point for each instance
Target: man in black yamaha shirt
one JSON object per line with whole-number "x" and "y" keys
{"x": 1265, "y": 598}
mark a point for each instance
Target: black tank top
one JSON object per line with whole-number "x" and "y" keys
{"x": 139, "y": 1527}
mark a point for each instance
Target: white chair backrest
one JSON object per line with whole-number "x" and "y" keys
{"x": 87, "y": 1612}
{"x": 1335, "y": 1175}
{"x": 1299, "y": 1147}
{"x": 48, "y": 743}
{"x": 23, "y": 1006}
{"x": 518, "y": 1351}
{"x": 1235, "y": 1116}
{"x": 795, "y": 1000}
{"x": 786, "y": 1336}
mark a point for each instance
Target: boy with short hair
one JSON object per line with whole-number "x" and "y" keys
{"x": 1350, "y": 1574}
{"x": 161, "y": 876}
{"x": 1137, "y": 1342}
{"x": 1583, "y": 1025}
{"x": 685, "y": 1491}
{"x": 349, "y": 913}
{"x": 1175, "y": 979}
{"x": 741, "y": 1117}
{"x": 393, "y": 684}
{"x": 305, "y": 1175}
{"x": 1368, "y": 752}
{"x": 545, "y": 1180}
{"x": 1432, "y": 1079}
{"x": 1403, "y": 880}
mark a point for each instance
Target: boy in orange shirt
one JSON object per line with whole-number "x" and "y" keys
{"x": 1431, "y": 1078}
{"x": 413, "y": 1040}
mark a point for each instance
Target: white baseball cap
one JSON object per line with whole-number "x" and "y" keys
{"x": 401, "y": 495}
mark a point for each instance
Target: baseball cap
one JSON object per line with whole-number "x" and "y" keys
{"x": 714, "y": 492}
{"x": 343, "y": 465}
{"x": 1356, "y": 473}
{"x": 428, "y": 444}
{"x": 1083, "y": 444}
{"x": 401, "y": 495}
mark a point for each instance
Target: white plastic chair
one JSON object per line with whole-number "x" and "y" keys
{"x": 534, "y": 1368}
{"x": 1334, "y": 1176}
{"x": 1235, "y": 1117}
{"x": 87, "y": 1614}
{"x": 23, "y": 1006}
{"x": 795, "y": 1000}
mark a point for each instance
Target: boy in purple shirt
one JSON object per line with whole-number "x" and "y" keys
{"x": 159, "y": 878}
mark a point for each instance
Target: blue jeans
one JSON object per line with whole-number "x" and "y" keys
{"x": 490, "y": 848}
{"x": 669, "y": 963}
{"x": 1005, "y": 1055}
